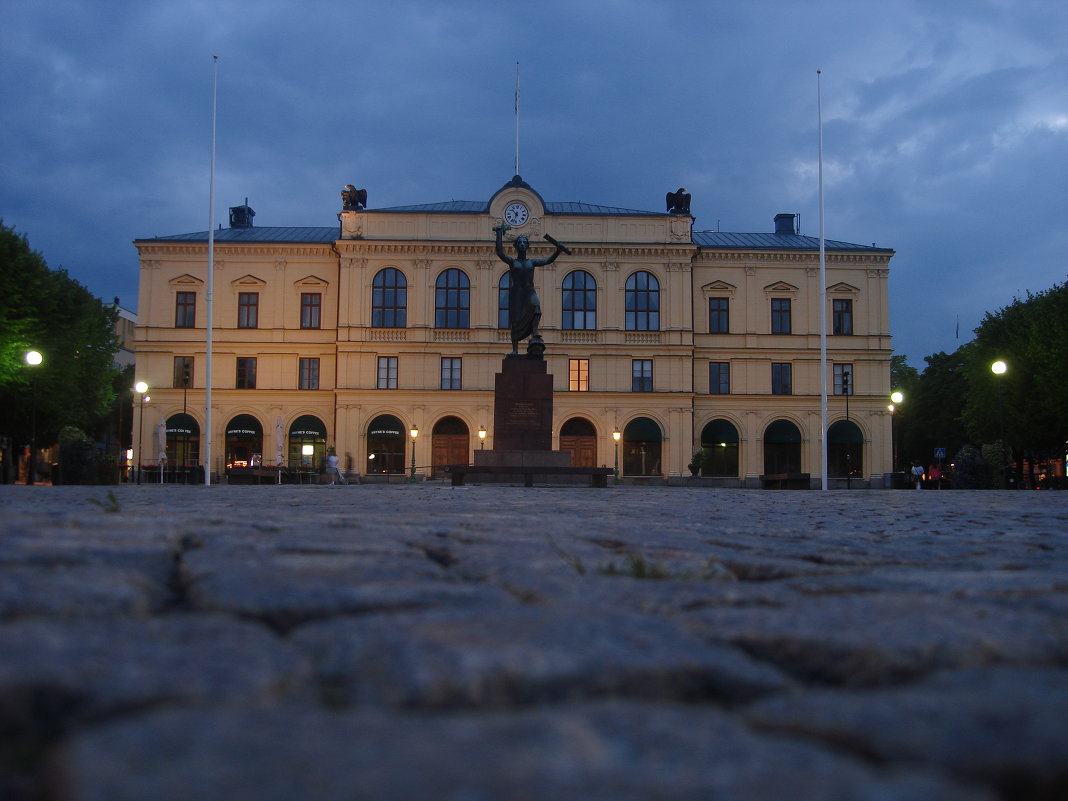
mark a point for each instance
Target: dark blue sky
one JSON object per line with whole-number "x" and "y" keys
{"x": 945, "y": 124}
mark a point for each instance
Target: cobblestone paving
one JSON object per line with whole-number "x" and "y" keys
{"x": 431, "y": 643}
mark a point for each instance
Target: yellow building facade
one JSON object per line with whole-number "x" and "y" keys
{"x": 350, "y": 336}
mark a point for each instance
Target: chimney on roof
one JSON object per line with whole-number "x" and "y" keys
{"x": 241, "y": 216}
{"x": 784, "y": 224}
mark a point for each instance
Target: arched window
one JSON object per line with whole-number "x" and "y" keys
{"x": 643, "y": 302}
{"x": 719, "y": 441}
{"x": 782, "y": 448}
{"x": 389, "y": 299}
{"x": 452, "y": 300}
{"x": 845, "y": 449}
{"x": 579, "y": 301}
{"x": 503, "y": 318}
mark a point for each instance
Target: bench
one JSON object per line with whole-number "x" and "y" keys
{"x": 786, "y": 481}
{"x": 460, "y": 472}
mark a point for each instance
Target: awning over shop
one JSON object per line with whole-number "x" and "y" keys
{"x": 244, "y": 425}
{"x": 308, "y": 426}
{"x": 182, "y": 425}
{"x": 386, "y": 426}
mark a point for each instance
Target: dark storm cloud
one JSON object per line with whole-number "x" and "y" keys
{"x": 945, "y": 124}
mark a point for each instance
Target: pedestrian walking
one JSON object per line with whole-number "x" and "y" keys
{"x": 917, "y": 474}
{"x": 333, "y": 470}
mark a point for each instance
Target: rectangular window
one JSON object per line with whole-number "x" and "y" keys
{"x": 451, "y": 373}
{"x": 183, "y": 372}
{"x": 719, "y": 378}
{"x": 578, "y": 375}
{"x": 719, "y": 321}
{"x": 248, "y": 309}
{"x": 780, "y": 316}
{"x": 387, "y": 372}
{"x": 641, "y": 375}
{"x": 843, "y": 379}
{"x": 246, "y": 373}
{"x": 782, "y": 378}
{"x": 842, "y": 313}
{"x": 185, "y": 310}
{"x": 309, "y": 374}
{"x": 311, "y": 304}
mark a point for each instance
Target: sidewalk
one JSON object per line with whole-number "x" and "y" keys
{"x": 425, "y": 642}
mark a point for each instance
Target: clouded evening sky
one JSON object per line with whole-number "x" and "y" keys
{"x": 945, "y": 124}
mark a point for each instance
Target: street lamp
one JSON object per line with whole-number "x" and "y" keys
{"x": 481, "y": 438}
{"x": 616, "y": 435}
{"x": 413, "y": 432}
{"x": 33, "y": 359}
{"x": 896, "y": 397}
{"x": 999, "y": 368}
{"x": 141, "y": 388}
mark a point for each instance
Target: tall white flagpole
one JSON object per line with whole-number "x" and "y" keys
{"x": 210, "y": 279}
{"x": 823, "y": 305}
{"x": 516, "y": 118}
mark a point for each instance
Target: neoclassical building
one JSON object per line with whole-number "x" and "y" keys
{"x": 350, "y": 336}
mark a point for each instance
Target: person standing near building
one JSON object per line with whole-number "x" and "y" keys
{"x": 333, "y": 470}
{"x": 917, "y": 474}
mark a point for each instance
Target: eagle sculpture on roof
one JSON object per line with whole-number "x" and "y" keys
{"x": 678, "y": 202}
{"x": 353, "y": 199}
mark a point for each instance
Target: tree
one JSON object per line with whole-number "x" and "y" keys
{"x": 47, "y": 311}
{"x": 1027, "y": 404}
{"x": 931, "y": 412}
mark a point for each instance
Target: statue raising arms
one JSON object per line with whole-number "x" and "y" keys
{"x": 524, "y": 306}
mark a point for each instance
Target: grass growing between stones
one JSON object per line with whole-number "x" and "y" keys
{"x": 111, "y": 505}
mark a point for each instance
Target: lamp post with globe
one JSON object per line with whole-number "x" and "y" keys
{"x": 33, "y": 359}
{"x": 141, "y": 388}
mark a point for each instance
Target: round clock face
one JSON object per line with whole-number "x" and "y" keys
{"x": 516, "y": 214}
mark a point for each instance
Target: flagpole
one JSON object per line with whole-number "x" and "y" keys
{"x": 823, "y": 305}
{"x": 516, "y": 118}
{"x": 210, "y": 278}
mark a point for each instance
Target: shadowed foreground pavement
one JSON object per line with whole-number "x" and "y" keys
{"x": 471, "y": 644}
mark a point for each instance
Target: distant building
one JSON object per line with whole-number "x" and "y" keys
{"x": 124, "y": 334}
{"x": 345, "y": 336}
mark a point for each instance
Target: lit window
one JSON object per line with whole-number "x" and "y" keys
{"x": 578, "y": 375}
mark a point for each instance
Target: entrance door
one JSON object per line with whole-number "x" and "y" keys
{"x": 580, "y": 438}
{"x": 450, "y": 445}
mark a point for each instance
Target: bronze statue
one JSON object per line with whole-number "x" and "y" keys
{"x": 353, "y": 199}
{"x": 524, "y": 306}
{"x": 678, "y": 202}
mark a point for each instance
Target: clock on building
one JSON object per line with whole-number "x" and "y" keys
{"x": 516, "y": 214}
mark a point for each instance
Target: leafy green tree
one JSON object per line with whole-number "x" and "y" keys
{"x": 46, "y": 310}
{"x": 931, "y": 413}
{"x": 1028, "y": 405}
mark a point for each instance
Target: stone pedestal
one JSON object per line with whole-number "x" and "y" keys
{"x": 523, "y": 406}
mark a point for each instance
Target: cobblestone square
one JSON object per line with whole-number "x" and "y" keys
{"x": 427, "y": 642}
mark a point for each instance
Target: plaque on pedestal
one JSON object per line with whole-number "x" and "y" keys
{"x": 523, "y": 406}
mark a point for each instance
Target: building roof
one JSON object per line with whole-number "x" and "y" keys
{"x": 760, "y": 241}
{"x": 325, "y": 235}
